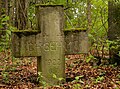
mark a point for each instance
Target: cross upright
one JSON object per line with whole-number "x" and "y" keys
{"x": 49, "y": 43}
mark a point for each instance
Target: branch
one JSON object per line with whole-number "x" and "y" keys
{"x": 69, "y": 20}
{"x": 103, "y": 21}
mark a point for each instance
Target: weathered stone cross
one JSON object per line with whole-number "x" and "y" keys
{"x": 49, "y": 43}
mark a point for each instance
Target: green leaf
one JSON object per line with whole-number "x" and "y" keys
{"x": 60, "y": 79}
{"x": 66, "y": 58}
{"x": 88, "y": 59}
{"x": 1, "y": 49}
{"x": 6, "y": 18}
{"x": 1, "y": 26}
{"x": 8, "y": 32}
{"x": 78, "y": 77}
{"x": 54, "y": 76}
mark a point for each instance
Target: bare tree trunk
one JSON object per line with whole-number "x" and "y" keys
{"x": 114, "y": 30}
{"x": 21, "y": 18}
{"x": 0, "y": 8}
{"x": 113, "y": 20}
{"x": 0, "y": 15}
{"x": 11, "y": 12}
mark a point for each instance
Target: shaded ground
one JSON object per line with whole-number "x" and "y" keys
{"x": 21, "y": 74}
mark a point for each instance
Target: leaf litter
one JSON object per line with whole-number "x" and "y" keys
{"x": 22, "y": 74}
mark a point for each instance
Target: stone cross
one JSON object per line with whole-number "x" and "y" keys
{"x": 49, "y": 43}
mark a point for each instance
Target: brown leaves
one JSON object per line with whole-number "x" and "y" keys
{"x": 99, "y": 77}
{"x": 79, "y": 75}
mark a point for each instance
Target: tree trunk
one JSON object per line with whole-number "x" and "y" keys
{"x": 113, "y": 20}
{"x": 114, "y": 29}
{"x": 11, "y": 12}
{"x": 0, "y": 8}
{"x": 21, "y": 18}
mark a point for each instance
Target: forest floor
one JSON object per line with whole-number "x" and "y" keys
{"x": 22, "y": 74}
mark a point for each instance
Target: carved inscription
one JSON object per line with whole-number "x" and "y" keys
{"x": 51, "y": 22}
{"x": 50, "y": 43}
{"x": 76, "y": 42}
{"x": 38, "y": 44}
{"x": 51, "y": 46}
{"x": 26, "y": 44}
{"x": 32, "y": 45}
{"x": 54, "y": 65}
{"x": 54, "y": 62}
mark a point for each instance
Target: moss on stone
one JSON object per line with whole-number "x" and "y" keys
{"x": 76, "y": 29}
{"x": 48, "y": 5}
{"x": 25, "y": 31}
